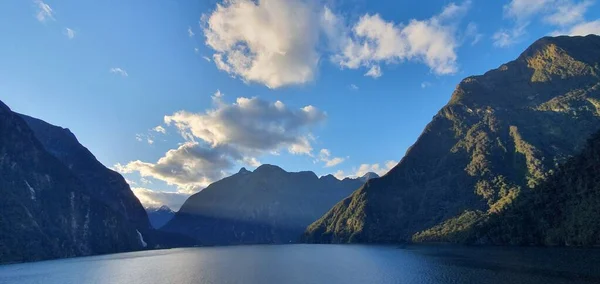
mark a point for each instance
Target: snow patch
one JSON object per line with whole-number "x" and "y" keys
{"x": 31, "y": 190}
{"x": 144, "y": 244}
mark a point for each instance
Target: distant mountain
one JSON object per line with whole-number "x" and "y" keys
{"x": 366, "y": 177}
{"x": 159, "y": 216}
{"x": 268, "y": 205}
{"x": 501, "y": 135}
{"x": 46, "y": 210}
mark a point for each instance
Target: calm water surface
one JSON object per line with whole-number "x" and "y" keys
{"x": 319, "y": 264}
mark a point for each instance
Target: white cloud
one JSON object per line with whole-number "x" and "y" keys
{"x": 119, "y": 71}
{"x": 522, "y": 9}
{"x": 472, "y": 32}
{"x": 425, "y": 85}
{"x": 380, "y": 169}
{"x": 149, "y": 140}
{"x": 325, "y": 156}
{"x": 159, "y": 129}
{"x": 70, "y": 33}
{"x": 567, "y": 13}
{"x": 353, "y": 87}
{"x": 156, "y": 198}
{"x": 505, "y": 38}
{"x": 44, "y": 12}
{"x": 206, "y": 58}
{"x": 586, "y": 28}
{"x": 190, "y": 167}
{"x": 272, "y": 42}
{"x": 219, "y": 138}
{"x": 373, "y": 40}
{"x": 190, "y": 32}
{"x": 280, "y": 42}
{"x": 374, "y": 71}
{"x": 249, "y": 124}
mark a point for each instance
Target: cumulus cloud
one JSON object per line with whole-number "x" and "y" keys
{"x": 280, "y": 42}
{"x": 155, "y": 198}
{"x": 373, "y": 40}
{"x": 44, "y": 12}
{"x": 70, "y": 33}
{"x": 190, "y": 32}
{"x": 119, "y": 71}
{"x": 380, "y": 169}
{"x": 227, "y": 134}
{"x": 191, "y": 167}
{"x": 325, "y": 156}
{"x": 249, "y": 124}
{"x": 272, "y": 42}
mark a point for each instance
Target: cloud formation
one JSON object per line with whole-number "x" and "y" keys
{"x": 325, "y": 156}
{"x": 70, "y": 33}
{"x": 280, "y": 42}
{"x": 587, "y": 28}
{"x": 568, "y": 16}
{"x": 44, "y": 12}
{"x": 373, "y": 41}
{"x": 272, "y": 42}
{"x": 379, "y": 169}
{"x": 233, "y": 133}
{"x": 119, "y": 71}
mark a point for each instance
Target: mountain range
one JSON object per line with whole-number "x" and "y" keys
{"x": 512, "y": 159}
{"x": 500, "y": 136}
{"x": 267, "y": 205}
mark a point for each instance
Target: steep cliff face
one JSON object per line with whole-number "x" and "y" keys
{"x": 501, "y": 134}
{"x": 268, "y": 205}
{"x": 100, "y": 182}
{"x": 46, "y": 210}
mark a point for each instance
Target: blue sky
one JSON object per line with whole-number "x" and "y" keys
{"x": 332, "y": 86}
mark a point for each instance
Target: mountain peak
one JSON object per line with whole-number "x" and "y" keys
{"x": 268, "y": 168}
{"x": 368, "y": 176}
{"x": 243, "y": 170}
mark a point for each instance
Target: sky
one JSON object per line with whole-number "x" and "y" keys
{"x": 178, "y": 94}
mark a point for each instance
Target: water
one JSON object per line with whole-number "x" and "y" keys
{"x": 319, "y": 264}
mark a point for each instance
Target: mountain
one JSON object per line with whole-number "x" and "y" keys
{"x": 268, "y": 205}
{"x": 563, "y": 210}
{"x": 159, "y": 216}
{"x": 500, "y": 136}
{"x": 46, "y": 210}
{"x": 366, "y": 177}
{"x": 101, "y": 183}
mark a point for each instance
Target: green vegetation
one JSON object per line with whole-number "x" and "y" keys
{"x": 498, "y": 139}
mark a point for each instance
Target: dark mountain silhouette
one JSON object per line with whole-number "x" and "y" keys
{"x": 268, "y": 205}
{"x": 159, "y": 216}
